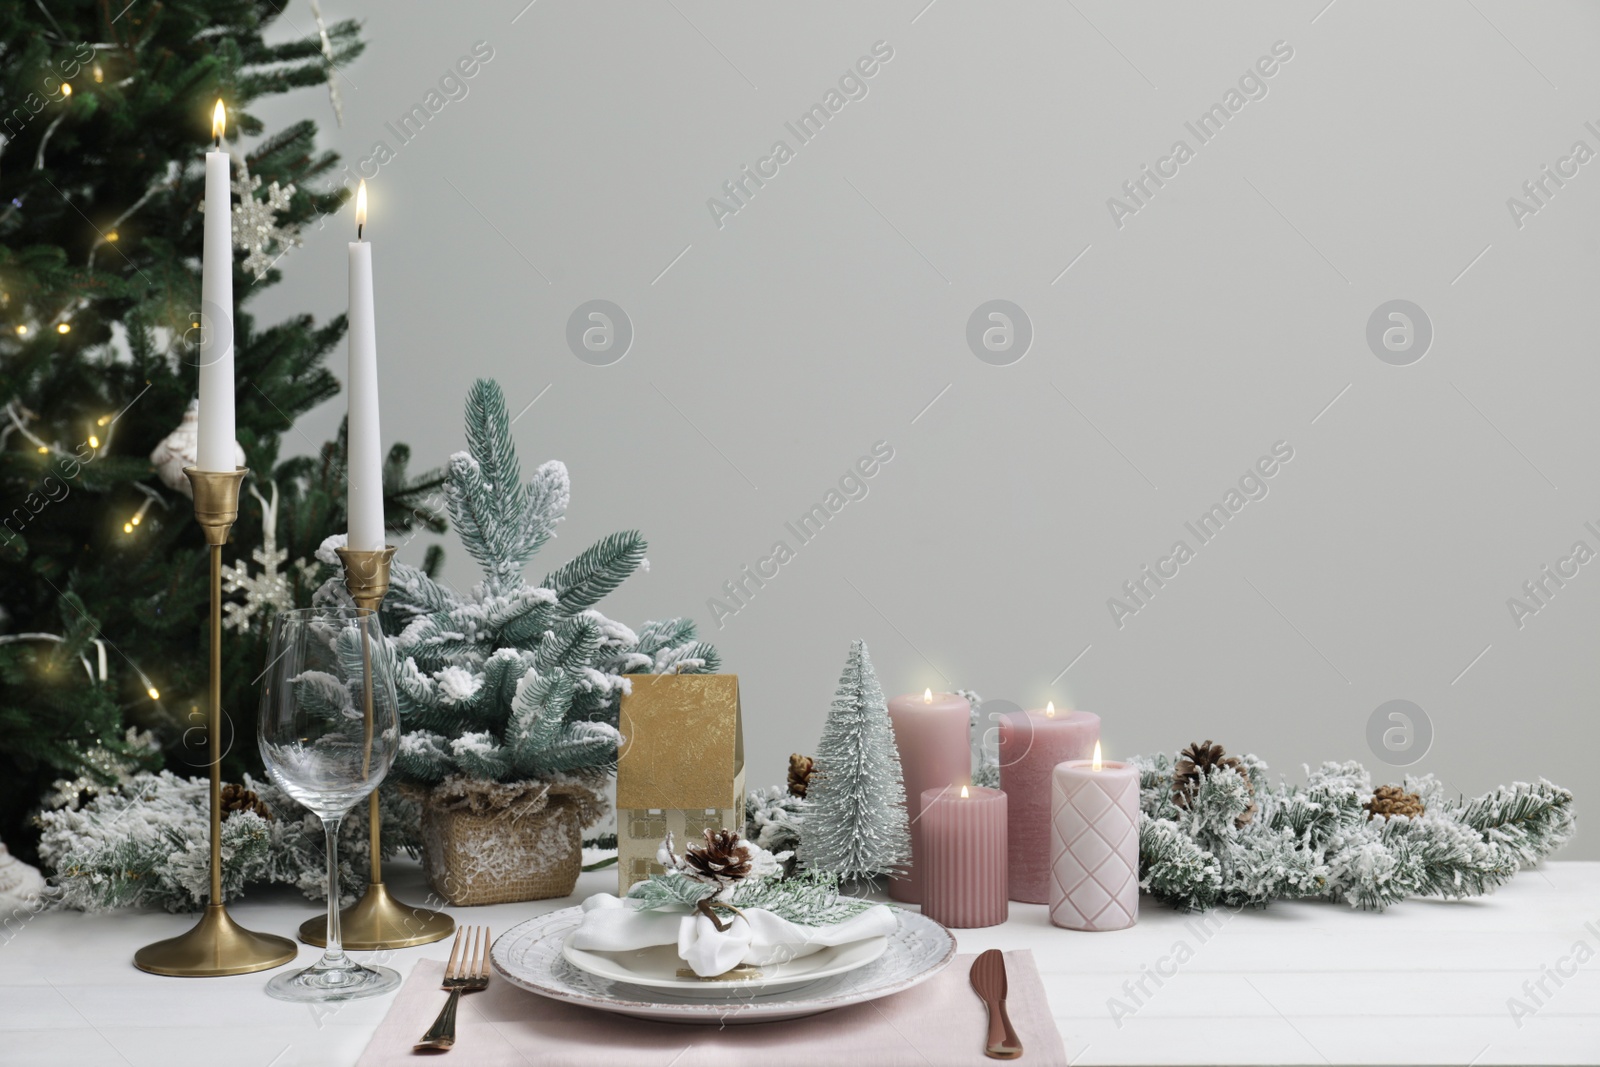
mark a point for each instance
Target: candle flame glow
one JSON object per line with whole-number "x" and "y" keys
{"x": 1096, "y": 766}
{"x": 219, "y": 121}
{"x": 361, "y": 206}
{"x": 927, "y": 696}
{"x": 964, "y": 792}
{"x": 1050, "y": 708}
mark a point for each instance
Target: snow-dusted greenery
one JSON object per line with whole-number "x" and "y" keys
{"x": 855, "y": 822}
{"x": 515, "y": 680}
{"x": 1317, "y": 840}
{"x": 773, "y": 817}
{"x": 810, "y": 898}
{"x": 148, "y": 844}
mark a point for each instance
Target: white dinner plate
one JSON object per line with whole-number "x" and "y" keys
{"x": 531, "y": 956}
{"x": 657, "y": 968}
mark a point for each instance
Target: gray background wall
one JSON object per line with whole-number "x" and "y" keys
{"x": 1226, "y": 315}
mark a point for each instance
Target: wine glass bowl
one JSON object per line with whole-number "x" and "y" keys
{"x": 329, "y": 731}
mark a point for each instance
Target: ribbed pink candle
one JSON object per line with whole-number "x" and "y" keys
{"x": 964, "y": 856}
{"x": 1031, "y": 744}
{"x": 933, "y": 733}
{"x": 1094, "y": 846}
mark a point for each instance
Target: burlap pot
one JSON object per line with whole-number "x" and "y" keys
{"x": 496, "y": 843}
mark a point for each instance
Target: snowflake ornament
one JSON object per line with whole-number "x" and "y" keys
{"x": 255, "y": 222}
{"x": 272, "y": 589}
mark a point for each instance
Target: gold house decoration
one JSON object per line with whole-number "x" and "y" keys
{"x": 680, "y": 767}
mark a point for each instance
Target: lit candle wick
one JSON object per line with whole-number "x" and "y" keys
{"x": 1096, "y": 765}
{"x": 927, "y": 696}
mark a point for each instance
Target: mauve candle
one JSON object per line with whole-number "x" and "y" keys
{"x": 933, "y": 733}
{"x": 1094, "y": 847}
{"x": 1031, "y": 744}
{"x": 964, "y": 856}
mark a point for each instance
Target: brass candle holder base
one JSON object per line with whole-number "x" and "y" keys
{"x": 216, "y": 945}
{"x": 377, "y": 920}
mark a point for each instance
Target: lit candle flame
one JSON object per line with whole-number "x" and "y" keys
{"x": 964, "y": 792}
{"x": 219, "y": 122}
{"x": 361, "y": 207}
{"x": 927, "y": 696}
{"x": 1096, "y": 765}
{"x": 1050, "y": 708}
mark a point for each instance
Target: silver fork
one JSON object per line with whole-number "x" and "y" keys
{"x": 471, "y": 975}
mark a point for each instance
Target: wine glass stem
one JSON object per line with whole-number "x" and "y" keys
{"x": 333, "y": 954}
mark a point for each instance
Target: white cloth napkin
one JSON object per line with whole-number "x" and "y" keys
{"x": 758, "y": 937}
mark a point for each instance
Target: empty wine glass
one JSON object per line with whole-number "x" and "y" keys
{"x": 328, "y": 733}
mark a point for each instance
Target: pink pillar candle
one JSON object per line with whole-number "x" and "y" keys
{"x": 933, "y": 733}
{"x": 964, "y": 856}
{"x": 1094, "y": 846}
{"x": 1031, "y": 744}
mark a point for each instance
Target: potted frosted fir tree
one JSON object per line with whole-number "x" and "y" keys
{"x": 509, "y": 695}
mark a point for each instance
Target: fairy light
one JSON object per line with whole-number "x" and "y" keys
{"x": 22, "y": 331}
{"x": 113, "y": 235}
{"x": 64, "y": 327}
{"x": 99, "y": 75}
{"x": 138, "y": 517}
{"x": 155, "y": 694}
{"x": 94, "y": 442}
{"x": 102, "y": 420}
{"x": 66, "y": 89}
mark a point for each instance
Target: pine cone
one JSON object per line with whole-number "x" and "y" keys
{"x": 238, "y": 798}
{"x": 800, "y": 768}
{"x": 723, "y": 857}
{"x": 1199, "y": 760}
{"x": 1394, "y": 800}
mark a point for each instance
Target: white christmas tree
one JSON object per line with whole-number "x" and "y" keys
{"x": 855, "y": 824}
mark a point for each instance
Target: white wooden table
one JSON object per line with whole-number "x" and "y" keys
{"x": 1426, "y": 982}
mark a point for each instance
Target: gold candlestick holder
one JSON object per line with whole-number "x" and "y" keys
{"x": 377, "y": 920}
{"x": 216, "y": 945}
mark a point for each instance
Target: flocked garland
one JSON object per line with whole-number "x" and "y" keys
{"x": 1223, "y": 833}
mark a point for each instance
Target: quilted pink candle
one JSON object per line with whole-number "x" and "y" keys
{"x": 1031, "y": 744}
{"x": 932, "y": 731}
{"x": 1094, "y": 845}
{"x": 964, "y": 856}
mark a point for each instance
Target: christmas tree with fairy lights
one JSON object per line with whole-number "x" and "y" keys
{"x": 103, "y": 581}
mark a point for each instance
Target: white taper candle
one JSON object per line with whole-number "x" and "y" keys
{"x": 365, "y": 470}
{"x": 214, "y": 450}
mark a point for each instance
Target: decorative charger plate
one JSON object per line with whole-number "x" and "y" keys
{"x": 660, "y": 967}
{"x": 530, "y": 956}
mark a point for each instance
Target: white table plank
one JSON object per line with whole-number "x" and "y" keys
{"x": 1427, "y": 982}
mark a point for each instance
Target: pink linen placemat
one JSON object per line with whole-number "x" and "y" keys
{"x": 940, "y": 1022}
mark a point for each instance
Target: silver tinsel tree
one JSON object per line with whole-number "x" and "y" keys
{"x": 855, "y": 814}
